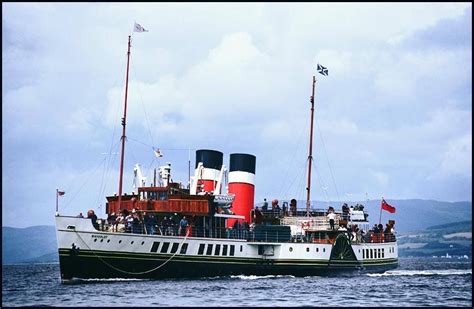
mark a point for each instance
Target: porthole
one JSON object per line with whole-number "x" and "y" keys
{"x": 324, "y": 249}
{"x": 120, "y": 241}
{"x": 108, "y": 240}
{"x": 317, "y": 249}
{"x": 132, "y": 242}
{"x": 95, "y": 239}
{"x": 359, "y": 250}
{"x": 291, "y": 249}
{"x": 102, "y": 240}
{"x": 143, "y": 243}
{"x": 307, "y": 249}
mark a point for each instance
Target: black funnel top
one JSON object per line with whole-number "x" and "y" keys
{"x": 242, "y": 162}
{"x": 209, "y": 158}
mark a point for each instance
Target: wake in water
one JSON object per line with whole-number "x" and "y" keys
{"x": 97, "y": 280}
{"x": 441, "y": 272}
{"x": 254, "y": 277}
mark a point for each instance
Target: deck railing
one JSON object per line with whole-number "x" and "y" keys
{"x": 243, "y": 233}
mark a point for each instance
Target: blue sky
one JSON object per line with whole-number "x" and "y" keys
{"x": 393, "y": 118}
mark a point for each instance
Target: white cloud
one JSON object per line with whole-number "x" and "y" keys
{"x": 237, "y": 77}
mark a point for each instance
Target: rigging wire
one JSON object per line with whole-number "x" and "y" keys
{"x": 321, "y": 182}
{"x": 299, "y": 176}
{"x": 95, "y": 130}
{"x": 327, "y": 160}
{"x": 146, "y": 115}
{"x": 291, "y": 159}
{"x": 83, "y": 184}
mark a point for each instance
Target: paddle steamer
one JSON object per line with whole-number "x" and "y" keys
{"x": 223, "y": 234}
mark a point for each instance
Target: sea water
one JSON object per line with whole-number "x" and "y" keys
{"x": 416, "y": 282}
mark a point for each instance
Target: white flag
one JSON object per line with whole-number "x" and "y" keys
{"x": 158, "y": 153}
{"x": 139, "y": 28}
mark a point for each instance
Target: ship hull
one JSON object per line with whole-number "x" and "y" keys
{"x": 89, "y": 264}
{"x": 85, "y": 253}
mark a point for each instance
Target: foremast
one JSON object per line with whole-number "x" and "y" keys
{"x": 123, "y": 125}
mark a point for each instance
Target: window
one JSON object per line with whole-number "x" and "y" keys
{"x": 324, "y": 249}
{"x": 201, "y": 249}
{"x": 317, "y": 249}
{"x": 307, "y": 249}
{"x": 383, "y": 253}
{"x": 218, "y": 250}
{"x": 291, "y": 249}
{"x": 240, "y": 248}
{"x": 154, "y": 248}
{"x": 379, "y": 255}
{"x": 366, "y": 253}
{"x": 371, "y": 254}
{"x": 184, "y": 248}
{"x": 162, "y": 195}
{"x": 209, "y": 249}
{"x": 232, "y": 248}
{"x": 363, "y": 254}
{"x": 165, "y": 247}
{"x": 224, "y": 250}
{"x": 174, "y": 248}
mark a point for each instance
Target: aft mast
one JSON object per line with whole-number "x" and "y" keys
{"x": 310, "y": 155}
{"x": 123, "y": 125}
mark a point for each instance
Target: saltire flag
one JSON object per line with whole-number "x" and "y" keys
{"x": 322, "y": 70}
{"x": 387, "y": 207}
{"x": 61, "y": 193}
{"x": 158, "y": 153}
{"x": 139, "y": 28}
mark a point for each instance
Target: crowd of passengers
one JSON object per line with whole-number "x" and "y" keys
{"x": 141, "y": 222}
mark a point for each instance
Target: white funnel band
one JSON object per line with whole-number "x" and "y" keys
{"x": 242, "y": 177}
{"x": 209, "y": 174}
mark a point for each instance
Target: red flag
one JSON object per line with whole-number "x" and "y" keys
{"x": 387, "y": 207}
{"x": 60, "y": 193}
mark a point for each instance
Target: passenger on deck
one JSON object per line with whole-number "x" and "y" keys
{"x": 265, "y": 205}
{"x": 285, "y": 208}
{"x": 380, "y": 234}
{"x": 136, "y": 224}
{"x": 150, "y": 223}
{"x": 164, "y": 226}
{"x": 128, "y": 223}
{"x": 171, "y": 226}
{"x": 91, "y": 215}
{"x": 331, "y": 216}
{"x": 257, "y": 216}
{"x": 345, "y": 211}
{"x": 293, "y": 207}
{"x": 111, "y": 219}
{"x": 386, "y": 233}
{"x": 182, "y": 226}
{"x": 80, "y": 215}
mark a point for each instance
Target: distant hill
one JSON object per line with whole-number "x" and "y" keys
{"x": 28, "y": 244}
{"x": 452, "y": 238}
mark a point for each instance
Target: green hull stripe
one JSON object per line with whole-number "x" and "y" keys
{"x": 65, "y": 253}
